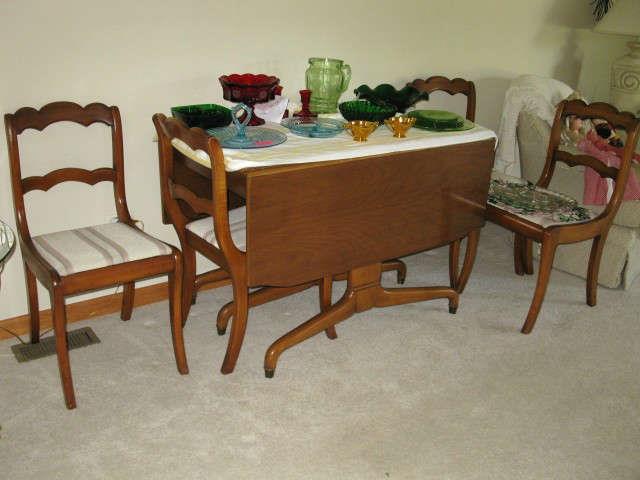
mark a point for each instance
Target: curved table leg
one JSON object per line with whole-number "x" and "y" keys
{"x": 363, "y": 293}
{"x": 323, "y": 321}
{"x": 398, "y": 296}
{"x": 397, "y": 265}
{"x": 469, "y": 259}
{"x": 259, "y": 297}
{"x": 325, "y": 302}
{"x": 454, "y": 260}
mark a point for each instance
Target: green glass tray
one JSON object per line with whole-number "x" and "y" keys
{"x": 440, "y": 121}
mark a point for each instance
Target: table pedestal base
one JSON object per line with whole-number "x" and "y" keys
{"x": 363, "y": 292}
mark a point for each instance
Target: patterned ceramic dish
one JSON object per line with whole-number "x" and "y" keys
{"x": 206, "y": 115}
{"x": 366, "y": 110}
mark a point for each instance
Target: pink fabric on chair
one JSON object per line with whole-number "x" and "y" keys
{"x": 596, "y": 188}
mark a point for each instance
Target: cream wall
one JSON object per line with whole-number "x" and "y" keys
{"x": 146, "y": 56}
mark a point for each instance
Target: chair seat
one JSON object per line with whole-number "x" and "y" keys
{"x": 535, "y": 204}
{"x": 88, "y": 248}
{"x": 237, "y": 224}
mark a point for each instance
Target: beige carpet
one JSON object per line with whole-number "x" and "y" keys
{"x": 407, "y": 393}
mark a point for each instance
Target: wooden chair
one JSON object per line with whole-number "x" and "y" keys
{"x": 84, "y": 259}
{"x": 457, "y": 278}
{"x": 206, "y": 226}
{"x": 594, "y": 226}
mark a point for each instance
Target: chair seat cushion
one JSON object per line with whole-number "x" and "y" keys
{"x": 237, "y": 224}
{"x": 88, "y": 248}
{"x": 537, "y": 205}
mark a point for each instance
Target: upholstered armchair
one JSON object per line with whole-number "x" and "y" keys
{"x": 535, "y": 97}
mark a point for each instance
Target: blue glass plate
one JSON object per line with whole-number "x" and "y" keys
{"x": 255, "y": 137}
{"x": 314, "y": 127}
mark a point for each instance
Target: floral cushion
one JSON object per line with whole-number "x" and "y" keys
{"x": 537, "y": 205}
{"x": 88, "y": 248}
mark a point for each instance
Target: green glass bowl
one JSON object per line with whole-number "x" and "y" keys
{"x": 386, "y": 93}
{"x": 366, "y": 110}
{"x": 206, "y": 115}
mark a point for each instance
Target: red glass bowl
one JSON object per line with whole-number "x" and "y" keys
{"x": 248, "y": 88}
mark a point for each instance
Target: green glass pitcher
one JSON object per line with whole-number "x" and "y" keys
{"x": 327, "y": 78}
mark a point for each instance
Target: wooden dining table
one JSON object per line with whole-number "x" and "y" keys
{"x": 317, "y": 210}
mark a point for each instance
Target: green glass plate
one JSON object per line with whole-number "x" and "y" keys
{"x": 466, "y": 125}
{"x": 439, "y": 120}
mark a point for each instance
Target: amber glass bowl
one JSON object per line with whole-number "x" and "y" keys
{"x": 400, "y": 125}
{"x": 361, "y": 129}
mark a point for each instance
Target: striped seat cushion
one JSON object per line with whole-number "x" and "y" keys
{"x": 82, "y": 249}
{"x": 237, "y": 224}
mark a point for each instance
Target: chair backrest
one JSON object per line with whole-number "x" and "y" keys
{"x": 438, "y": 83}
{"x": 180, "y": 202}
{"x": 30, "y": 118}
{"x": 618, "y": 120}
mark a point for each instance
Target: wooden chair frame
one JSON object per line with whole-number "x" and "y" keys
{"x": 458, "y": 278}
{"x": 36, "y": 267}
{"x": 554, "y": 235}
{"x": 184, "y": 205}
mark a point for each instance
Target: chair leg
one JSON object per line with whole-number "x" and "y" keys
{"x": 454, "y": 261}
{"x": 238, "y": 325}
{"x": 62, "y": 349}
{"x": 527, "y": 256}
{"x": 518, "y": 266}
{"x": 188, "y": 280}
{"x": 175, "y": 312}
{"x": 325, "y": 302}
{"x": 597, "y": 246}
{"x": 128, "y": 293}
{"x": 34, "y": 307}
{"x": 396, "y": 264}
{"x": 544, "y": 271}
{"x": 469, "y": 259}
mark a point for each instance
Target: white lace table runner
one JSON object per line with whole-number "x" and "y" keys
{"x": 299, "y": 149}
